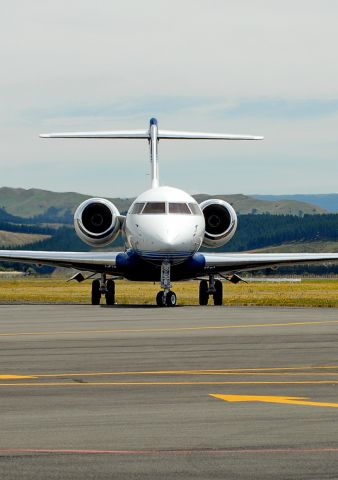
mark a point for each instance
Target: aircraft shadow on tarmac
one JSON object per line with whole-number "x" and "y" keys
{"x": 134, "y": 306}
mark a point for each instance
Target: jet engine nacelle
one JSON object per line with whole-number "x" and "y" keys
{"x": 97, "y": 222}
{"x": 220, "y": 222}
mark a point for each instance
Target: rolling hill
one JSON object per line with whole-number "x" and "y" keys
{"x": 244, "y": 204}
{"x": 15, "y": 239}
{"x": 46, "y": 206}
{"x": 327, "y": 201}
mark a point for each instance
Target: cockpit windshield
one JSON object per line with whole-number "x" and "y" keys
{"x": 137, "y": 208}
{"x": 153, "y": 208}
{"x": 179, "y": 208}
{"x": 195, "y": 209}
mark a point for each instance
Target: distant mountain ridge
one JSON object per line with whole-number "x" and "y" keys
{"x": 328, "y": 201}
{"x": 245, "y": 204}
{"x": 50, "y": 206}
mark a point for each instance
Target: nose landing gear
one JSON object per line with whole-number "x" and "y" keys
{"x": 166, "y": 297}
{"x": 214, "y": 288}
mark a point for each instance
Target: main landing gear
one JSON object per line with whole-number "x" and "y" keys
{"x": 214, "y": 288}
{"x": 166, "y": 298}
{"x": 101, "y": 287}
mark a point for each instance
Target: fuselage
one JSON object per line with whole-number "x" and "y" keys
{"x": 164, "y": 223}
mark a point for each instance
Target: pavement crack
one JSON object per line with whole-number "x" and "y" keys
{"x": 78, "y": 380}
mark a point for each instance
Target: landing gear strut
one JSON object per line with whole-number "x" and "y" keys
{"x": 167, "y": 297}
{"x": 214, "y": 288}
{"x": 103, "y": 286}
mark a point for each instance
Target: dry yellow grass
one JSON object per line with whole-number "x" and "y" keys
{"x": 321, "y": 293}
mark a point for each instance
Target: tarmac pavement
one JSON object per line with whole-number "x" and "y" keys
{"x": 184, "y": 392}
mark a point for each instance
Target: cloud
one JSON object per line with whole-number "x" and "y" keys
{"x": 278, "y": 108}
{"x": 261, "y": 67}
{"x": 127, "y": 108}
{"x": 283, "y": 108}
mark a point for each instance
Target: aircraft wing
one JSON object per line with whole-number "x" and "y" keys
{"x": 214, "y": 262}
{"x": 91, "y": 261}
{"x": 237, "y": 262}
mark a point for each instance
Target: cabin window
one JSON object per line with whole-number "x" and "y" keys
{"x": 195, "y": 209}
{"x": 181, "y": 208}
{"x": 137, "y": 208}
{"x": 154, "y": 208}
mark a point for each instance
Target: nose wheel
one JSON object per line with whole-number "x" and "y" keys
{"x": 160, "y": 298}
{"x": 166, "y": 298}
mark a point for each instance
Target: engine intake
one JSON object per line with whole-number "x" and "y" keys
{"x": 220, "y": 222}
{"x": 97, "y": 222}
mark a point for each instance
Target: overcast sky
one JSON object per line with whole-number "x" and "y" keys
{"x": 261, "y": 67}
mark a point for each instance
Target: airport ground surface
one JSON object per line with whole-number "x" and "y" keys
{"x": 128, "y": 392}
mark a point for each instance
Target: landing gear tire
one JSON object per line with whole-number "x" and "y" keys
{"x": 110, "y": 292}
{"x": 218, "y": 294}
{"x": 203, "y": 293}
{"x": 96, "y": 294}
{"x": 171, "y": 299}
{"x": 159, "y": 299}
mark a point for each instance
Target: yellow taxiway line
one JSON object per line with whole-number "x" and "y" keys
{"x": 273, "y": 399}
{"x": 293, "y": 375}
{"x": 122, "y": 383}
{"x": 168, "y": 330}
{"x": 179, "y": 372}
{"x": 294, "y": 371}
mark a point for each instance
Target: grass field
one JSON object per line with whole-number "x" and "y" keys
{"x": 308, "y": 293}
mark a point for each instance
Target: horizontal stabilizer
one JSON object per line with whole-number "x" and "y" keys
{"x": 176, "y": 135}
{"x": 162, "y": 134}
{"x": 113, "y": 134}
{"x": 153, "y": 134}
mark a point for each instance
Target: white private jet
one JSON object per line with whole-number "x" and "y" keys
{"x": 163, "y": 231}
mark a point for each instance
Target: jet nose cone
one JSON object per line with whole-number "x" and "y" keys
{"x": 167, "y": 239}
